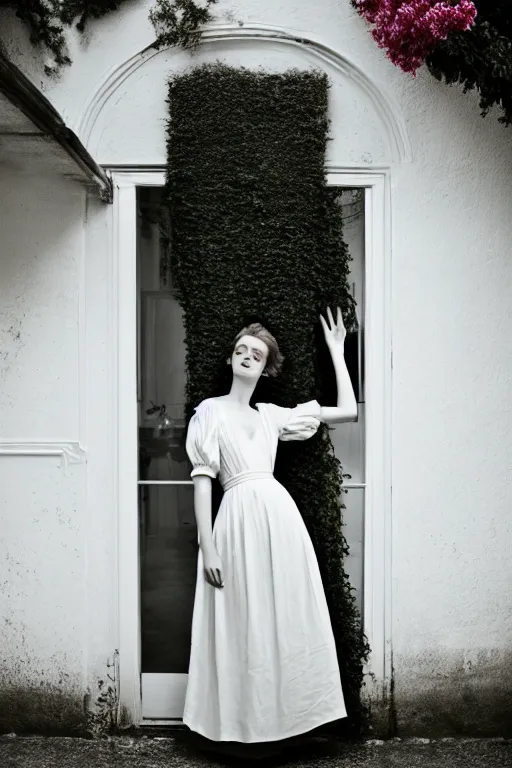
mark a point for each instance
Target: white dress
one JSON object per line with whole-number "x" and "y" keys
{"x": 263, "y": 664}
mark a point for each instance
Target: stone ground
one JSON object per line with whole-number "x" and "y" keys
{"x": 172, "y": 752}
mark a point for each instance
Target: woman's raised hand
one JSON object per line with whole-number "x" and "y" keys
{"x": 334, "y": 332}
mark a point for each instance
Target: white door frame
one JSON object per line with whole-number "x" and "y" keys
{"x": 378, "y": 364}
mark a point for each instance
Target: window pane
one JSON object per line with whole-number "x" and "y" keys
{"x": 168, "y": 542}
{"x": 161, "y": 346}
{"x": 353, "y": 529}
{"x": 349, "y": 438}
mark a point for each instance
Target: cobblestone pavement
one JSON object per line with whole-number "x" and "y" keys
{"x": 171, "y": 752}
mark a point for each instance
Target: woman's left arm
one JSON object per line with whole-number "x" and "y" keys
{"x": 346, "y": 409}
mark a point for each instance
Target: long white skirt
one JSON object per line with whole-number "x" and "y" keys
{"x": 263, "y": 664}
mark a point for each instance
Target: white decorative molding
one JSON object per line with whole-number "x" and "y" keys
{"x": 82, "y": 330}
{"x": 388, "y": 111}
{"x": 377, "y": 562}
{"x": 69, "y": 452}
{"x": 147, "y": 172}
{"x": 124, "y": 327}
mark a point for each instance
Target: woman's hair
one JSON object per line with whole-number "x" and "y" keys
{"x": 275, "y": 358}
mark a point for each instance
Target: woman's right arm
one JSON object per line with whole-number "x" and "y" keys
{"x": 203, "y": 511}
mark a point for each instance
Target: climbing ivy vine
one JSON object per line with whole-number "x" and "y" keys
{"x": 257, "y": 236}
{"x": 176, "y": 22}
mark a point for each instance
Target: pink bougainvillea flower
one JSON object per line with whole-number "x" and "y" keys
{"x": 410, "y": 29}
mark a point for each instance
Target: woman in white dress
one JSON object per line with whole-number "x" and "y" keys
{"x": 263, "y": 663}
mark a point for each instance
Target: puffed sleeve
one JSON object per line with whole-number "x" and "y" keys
{"x": 202, "y": 441}
{"x": 297, "y": 423}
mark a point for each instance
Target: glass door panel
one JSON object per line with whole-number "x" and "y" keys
{"x": 168, "y": 534}
{"x": 169, "y": 556}
{"x": 349, "y": 439}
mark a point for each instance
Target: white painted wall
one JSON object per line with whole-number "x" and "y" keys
{"x": 58, "y": 543}
{"x": 42, "y": 501}
{"x": 451, "y": 319}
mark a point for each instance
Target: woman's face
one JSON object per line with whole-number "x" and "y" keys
{"x": 249, "y": 357}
